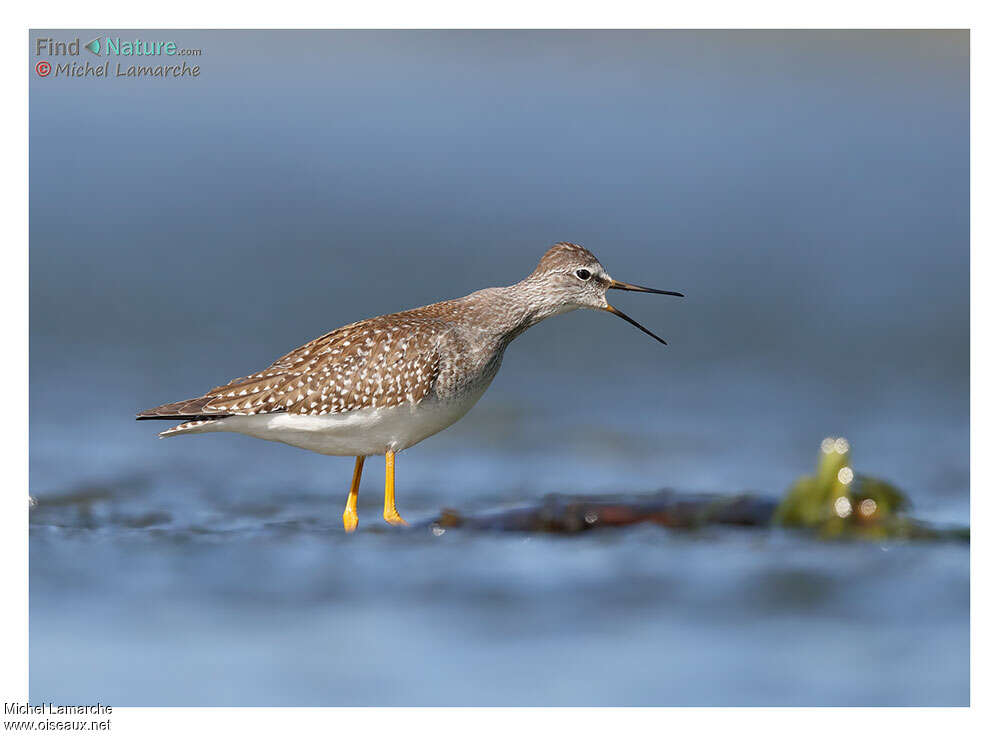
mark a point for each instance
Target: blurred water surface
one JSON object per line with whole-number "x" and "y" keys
{"x": 807, "y": 190}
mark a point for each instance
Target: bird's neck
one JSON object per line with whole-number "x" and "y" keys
{"x": 505, "y": 312}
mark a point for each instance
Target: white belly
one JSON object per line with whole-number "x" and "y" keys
{"x": 359, "y": 432}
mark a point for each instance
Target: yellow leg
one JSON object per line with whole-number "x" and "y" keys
{"x": 350, "y": 511}
{"x": 391, "y": 515}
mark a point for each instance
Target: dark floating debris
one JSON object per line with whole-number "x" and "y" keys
{"x": 834, "y": 503}
{"x": 568, "y": 514}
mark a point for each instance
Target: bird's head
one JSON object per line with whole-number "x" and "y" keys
{"x": 571, "y": 278}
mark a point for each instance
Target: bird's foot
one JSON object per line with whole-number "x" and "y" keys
{"x": 393, "y": 518}
{"x": 349, "y": 521}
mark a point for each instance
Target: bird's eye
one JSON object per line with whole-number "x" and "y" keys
{"x": 582, "y": 274}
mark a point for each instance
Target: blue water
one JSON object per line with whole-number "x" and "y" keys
{"x": 808, "y": 191}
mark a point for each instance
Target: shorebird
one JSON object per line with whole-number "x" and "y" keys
{"x": 379, "y": 386}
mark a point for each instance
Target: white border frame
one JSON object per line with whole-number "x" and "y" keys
{"x": 517, "y": 14}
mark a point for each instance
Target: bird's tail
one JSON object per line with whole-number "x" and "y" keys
{"x": 187, "y": 409}
{"x": 190, "y": 411}
{"x": 192, "y": 427}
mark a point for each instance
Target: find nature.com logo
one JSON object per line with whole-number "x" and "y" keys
{"x": 114, "y": 47}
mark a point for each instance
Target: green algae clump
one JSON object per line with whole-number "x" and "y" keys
{"x": 836, "y": 501}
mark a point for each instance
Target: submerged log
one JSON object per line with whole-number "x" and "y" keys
{"x": 571, "y": 514}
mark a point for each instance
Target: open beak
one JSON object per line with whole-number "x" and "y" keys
{"x": 615, "y": 284}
